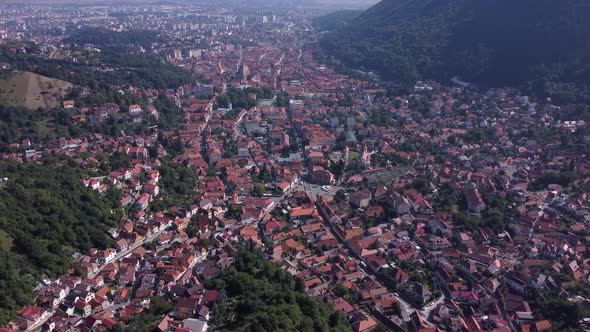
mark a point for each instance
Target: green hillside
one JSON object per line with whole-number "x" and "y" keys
{"x": 489, "y": 42}
{"x": 259, "y": 296}
{"x": 45, "y": 216}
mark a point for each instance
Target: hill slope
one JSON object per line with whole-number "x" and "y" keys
{"x": 32, "y": 91}
{"x": 491, "y": 42}
{"x": 45, "y": 216}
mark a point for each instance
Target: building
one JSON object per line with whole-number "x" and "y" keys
{"x": 475, "y": 203}
{"x": 177, "y": 54}
{"x": 321, "y": 177}
{"x": 361, "y": 198}
{"x": 69, "y": 104}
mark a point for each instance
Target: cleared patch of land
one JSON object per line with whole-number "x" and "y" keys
{"x": 5, "y": 241}
{"x": 32, "y": 90}
{"x": 352, "y": 155}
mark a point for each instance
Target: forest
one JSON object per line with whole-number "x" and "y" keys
{"x": 239, "y": 98}
{"x": 259, "y": 296}
{"x": 46, "y": 215}
{"x": 99, "y": 71}
{"x": 18, "y": 123}
{"x": 335, "y": 20}
{"x": 540, "y": 45}
{"x": 103, "y": 37}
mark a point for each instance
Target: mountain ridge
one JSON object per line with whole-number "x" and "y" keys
{"x": 489, "y": 42}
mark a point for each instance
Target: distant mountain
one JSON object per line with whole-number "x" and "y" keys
{"x": 361, "y": 4}
{"x": 335, "y": 20}
{"x": 490, "y": 42}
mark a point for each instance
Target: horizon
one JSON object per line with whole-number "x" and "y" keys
{"x": 359, "y": 4}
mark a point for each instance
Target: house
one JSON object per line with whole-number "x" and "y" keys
{"x": 361, "y": 198}
{"x": 151, "y": 189}
{"x": 135, "y": 109}
{"x": 214, "y": 156}
{"x": 469, "y": 298}
{"x": 321, "y": 177}
{"x": 106, "y": 256}
{"x": 69, "y": 104}
{"x": 363, "y": 322}
{"x": 143, "y": 201}
{"x": 139, "y": 152}
{"x": 284, "y": 186}
{"x": 195, "y": 325}
{"x": 524, "y": 317}
{"x": 516, "y": 281}
{"x": 542, "y": 325}
{"x": 475, "y": 203}
{"x": 400, "y": 276}
{"x": 122, "y": 245}
{"x": 186, "y": 307}
{"x": 539, "y": 281}
{"x": 398, "y": 202}
{"x": 418, "y": 293}
{"x": 29, "y": 316}
{"x": 435, "y": 243}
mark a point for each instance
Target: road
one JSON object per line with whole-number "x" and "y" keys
{"x": 39, "y": 324}
{"x": 239, "y": 125}
{"x": 539, "y": 215}
{"x": 122, "y": 254}
{"x": 406, "y": 308}
{"x": 314, "y": 190}
{"x": 431, "y": 306}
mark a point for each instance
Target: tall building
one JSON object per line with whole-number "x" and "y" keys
{"x": 177, "y": 54}
{"x": 366, "y": 157}
{"x": 244, "y": 72}
{"x": 195, "y": 53}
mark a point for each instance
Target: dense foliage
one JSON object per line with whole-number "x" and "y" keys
{"x": 113, "y": 66}
{"x": 103, "y": 37}
{"x": 240, "y": 98}
{"x": 147, "y": 319}
{"x": 177, "y": 183}
{"x": 46, "y": 215}
{"x": 562, "y": 179}
{"x": 335, "y": 20}
{"x": 259, "y": 296}
{"x": 18, "y": 123}
{"x": 563, "y": 314}
{"x": 543, "y": 43}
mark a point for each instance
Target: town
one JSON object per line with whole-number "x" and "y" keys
{"x": 435, "y": 207}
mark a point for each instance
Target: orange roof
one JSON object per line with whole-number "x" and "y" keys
{"x": 300, "y": 212}
{"x": 543, "y": 325}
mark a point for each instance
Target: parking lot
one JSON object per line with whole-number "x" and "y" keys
{"x": 315, "y": 189}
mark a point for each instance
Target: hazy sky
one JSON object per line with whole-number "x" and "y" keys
{"x": 355, "y": 3}
{"x": 322, "y": 3}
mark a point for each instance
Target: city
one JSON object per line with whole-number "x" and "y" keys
{"x": 222, "y": 152}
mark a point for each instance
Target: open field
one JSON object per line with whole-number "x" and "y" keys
{"x": 32, "y": 91}
{"x": 5, "y": 241}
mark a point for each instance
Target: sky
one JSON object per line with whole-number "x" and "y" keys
{"x": 361, "y": 4}
{"x": 347, "y": 3}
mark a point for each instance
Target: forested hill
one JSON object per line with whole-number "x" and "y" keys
{"x": 103, "y": 37}
{"x": 259, "y": 296}
{"x": 490, "y": 42}
{"x": 335, "y": 20}
{"x": 45, "y": 216}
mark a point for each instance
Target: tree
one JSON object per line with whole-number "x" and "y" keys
{"x": 340, "y": 196}
{"x": 47, "y": 214}
{"x": 267, "y": 298}
{"x": 258, "y": 189}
